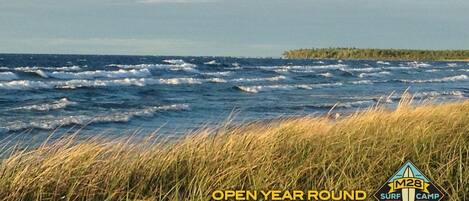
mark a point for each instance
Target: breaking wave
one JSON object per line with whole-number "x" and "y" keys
{"x": 218, "y": 74}
{"x": 175, "y": 61}
{"x": 7, "y": 76}
{"x": 445, "y": 79}
{"x": 276, "y": 78}
{"x": 434, "y": 94}
{"x": 362, "y": 82}
{"x": 302, "y": 68}
{"x": 383, "y": 63}
{"x": 72, "y": 84}
{"x": 59, "y": 104}
{"x": 173, "y": 65}
{"x": 35, "y": 68}
{"x": 432, "y": 70}
{"x": 295, "y": 71}
{"x": 259, "y": 88}
{"x": 418, "y": 64}
{"x": 326, "y": 74}
{"x": 217, "y": 80}
{"x": 133, "y": 73}
{"x": 352, "y": 104}
{"x": 368, "y": 69}
{"x": 452, "y": 65}
{"x": 213, "y": 63}
{"x": 399, "y": 68}
{"x": 51, "y": 122}
{"x": 378, "y": 74}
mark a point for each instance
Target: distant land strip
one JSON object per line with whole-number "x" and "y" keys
{"x": 378, "y": 54}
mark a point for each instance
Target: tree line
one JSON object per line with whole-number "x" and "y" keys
{"x": 376, "y": 54}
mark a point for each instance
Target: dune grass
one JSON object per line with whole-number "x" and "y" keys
{"x": 359, "y": 151}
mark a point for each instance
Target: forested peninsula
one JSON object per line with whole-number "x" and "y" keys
{"x": 378, "y": 54}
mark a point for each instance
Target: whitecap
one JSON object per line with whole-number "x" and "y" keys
{"x": 362, "y": 82}
{"x": 282, "y": 71}
{"x": 50, "y": 122}
{"x": 444, "y": 79}
{"x": 290, "y": 68}
{"x": 378, "y": 74}
{"x": 35, "y": 68}
{"x": 174, "y": 61}
{"x": 72, "y": 84}
{"x": 217, "y": 80}
{"x": 25, "y": 85}
{"x": 218, "y": 74}
{"x": 434, "y": 94}
{"x": 417, "y": 64}
{"x": 368, "y": 69}
{"x": 259, "y": 88}
{"x": 302, "y": 71}
{"x": 59, "y": 104}
{"x": 399, "y": 68}
{"x": 175, "y": 66}
{"x": 276, "y": 78}
{"x": 100, "y": 74}
{"x": 41, "y": 73}
{"x": 383, "y": 63}
{"x": 452, "y": 65}
{"x": 328, "y": 74}
{"x": 7, "y": 76}
{"x": 175, "y": 81}
{"x": 213, "y": 62}
{"x": 351, "y": 104}
{"x": 136, "y": 66}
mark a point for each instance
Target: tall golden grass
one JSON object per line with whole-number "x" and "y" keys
{"x": 359, "y": 151}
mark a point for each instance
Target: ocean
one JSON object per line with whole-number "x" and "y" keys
{"x": 119, "y": 95}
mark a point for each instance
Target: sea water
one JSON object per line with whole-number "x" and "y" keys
{"x": 120, "y": 94}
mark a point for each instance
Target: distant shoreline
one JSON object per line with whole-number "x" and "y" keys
{"x": 378, "y": 54}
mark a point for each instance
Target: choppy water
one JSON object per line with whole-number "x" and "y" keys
{"x": 39, "y": 93}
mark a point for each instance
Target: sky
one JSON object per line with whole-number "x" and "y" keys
{"x": 251, "y": 28}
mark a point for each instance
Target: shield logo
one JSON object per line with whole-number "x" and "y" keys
{"x": 409, "y": 184}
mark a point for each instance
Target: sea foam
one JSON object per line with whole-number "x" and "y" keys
{"x": 35, "y": 68}
{"x": 213, "y": 63}
{"x": 59, "y": 104}
{"x": 362, "y": 82}
{"x": 260, "y": 88}
{"x": 434, "y": 94}
{"x": 218, "y": 74}
{"x": 276, "y": 78}
{"x": 418, "y": 64}
{"x": 350, "y": 104}
{"x": 133, "y": 73}
{"x": 444, "y": 79}
{"x": 50, "y": 122}
{"x": 302, "y": 68}
{"x": 378, "y": 74}
{"x": 72, "y": 84}
{"x": 173, "y": 65}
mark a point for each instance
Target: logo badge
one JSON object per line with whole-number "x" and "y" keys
{"x": 409, "y": 184}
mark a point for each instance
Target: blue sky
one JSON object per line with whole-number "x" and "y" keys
{"x": 228, "y": 27}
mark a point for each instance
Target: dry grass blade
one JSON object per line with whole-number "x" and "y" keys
{"x": 355, "y": 152}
